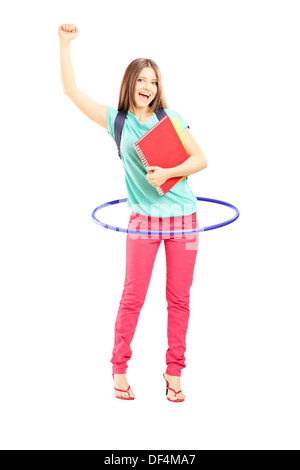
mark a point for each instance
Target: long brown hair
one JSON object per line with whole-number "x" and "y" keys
{"x": 129, "y": 81}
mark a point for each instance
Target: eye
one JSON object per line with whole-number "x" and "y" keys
{"x": 141, "y": 80}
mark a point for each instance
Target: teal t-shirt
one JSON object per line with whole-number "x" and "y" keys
{"x": 143, "y": 198}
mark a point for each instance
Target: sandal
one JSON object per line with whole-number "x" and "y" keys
{"x": 167, "y": 389}
{"x": 126, "y": 391}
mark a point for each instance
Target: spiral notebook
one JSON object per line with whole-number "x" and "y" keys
{"x": 163, "y": 146}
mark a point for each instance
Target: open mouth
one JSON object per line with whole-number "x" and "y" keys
{"x": 144, "y": 96}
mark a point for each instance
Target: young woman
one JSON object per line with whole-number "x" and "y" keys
{"x": 141, "y": 94}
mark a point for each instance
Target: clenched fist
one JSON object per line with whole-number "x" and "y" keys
{"x": 68, "y": 32}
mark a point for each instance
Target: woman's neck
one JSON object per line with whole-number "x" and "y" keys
{"x": 140, "y": 113}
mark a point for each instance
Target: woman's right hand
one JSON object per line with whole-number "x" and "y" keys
{"x": 67, "y": 32}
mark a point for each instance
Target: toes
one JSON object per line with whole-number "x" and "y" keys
{"x": 121, "y": 394}
{"x": 125, "y": 395}
{"x": 171, "y": 395}
{"x": 174, "y": 397}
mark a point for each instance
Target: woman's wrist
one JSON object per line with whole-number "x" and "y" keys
{"x": 64, "y": 42}
{"x": 169, "y": 172}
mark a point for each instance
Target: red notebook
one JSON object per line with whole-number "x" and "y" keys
{"x": 161, "y": 146}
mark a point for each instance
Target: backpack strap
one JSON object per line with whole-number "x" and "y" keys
{"x": 160, "y": 113}
{"x": 118, "y": 127}
{"x": 120, "y": 121}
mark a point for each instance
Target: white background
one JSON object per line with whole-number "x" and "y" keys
{"x": 231, "y": 69}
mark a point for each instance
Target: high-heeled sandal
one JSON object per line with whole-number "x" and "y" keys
{"x": 126, "y": 391}
{"x": 167, "y": 389}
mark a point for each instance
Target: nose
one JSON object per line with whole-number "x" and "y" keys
{"x": 147, "y": 86}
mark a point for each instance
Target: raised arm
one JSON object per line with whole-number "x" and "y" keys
{"x": 95, "y": 111}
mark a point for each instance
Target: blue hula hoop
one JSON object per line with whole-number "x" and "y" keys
{"x": 165, "y": 232}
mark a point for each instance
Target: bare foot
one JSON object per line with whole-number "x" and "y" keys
{"x": 174, "y": 382}
{"x": 120, "y": 381}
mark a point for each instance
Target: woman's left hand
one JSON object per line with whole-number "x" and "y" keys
{"x": 158, "y": 175}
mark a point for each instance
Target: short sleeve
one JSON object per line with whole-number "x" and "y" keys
{"x": 111, "y": 117}
{"x": 182, "y": 122}
{"x": 173, "y": 114}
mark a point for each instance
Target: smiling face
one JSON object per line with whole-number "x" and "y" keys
{"x": 145, "y": 88}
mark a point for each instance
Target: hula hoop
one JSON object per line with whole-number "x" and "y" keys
{"x": 165, "y": 232}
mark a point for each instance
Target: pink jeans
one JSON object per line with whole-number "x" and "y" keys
{"x": 141, "y": 250}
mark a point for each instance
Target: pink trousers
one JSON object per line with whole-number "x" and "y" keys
{"x": 181, "y": 251}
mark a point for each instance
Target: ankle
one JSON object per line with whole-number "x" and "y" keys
{"x": 173, "y": 377}
{"x": 120, "y": 378}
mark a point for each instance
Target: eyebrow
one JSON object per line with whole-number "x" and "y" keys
{"x": 155, "y": 79}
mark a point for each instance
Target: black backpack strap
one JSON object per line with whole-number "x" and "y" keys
{"x": 118, "y": 127}
{"x": 160, "y": 113}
